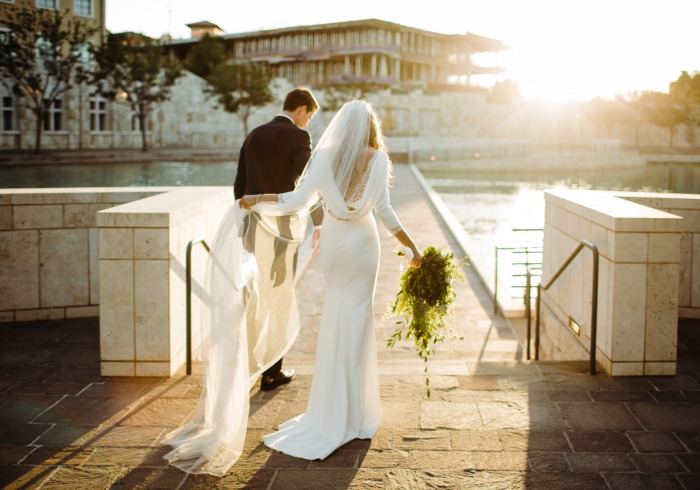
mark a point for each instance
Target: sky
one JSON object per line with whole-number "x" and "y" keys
{"x": 560, "y": 49}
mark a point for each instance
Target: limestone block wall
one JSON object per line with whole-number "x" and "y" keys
{"x": 687, "y": 206}
{"x": 142, "y": 277}
{"x": 638, "y": 293}
{"x": 48, "y": 250}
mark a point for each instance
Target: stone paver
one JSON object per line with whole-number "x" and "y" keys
{"x": 493, "y": 421}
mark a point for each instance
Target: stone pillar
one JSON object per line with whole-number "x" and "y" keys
{"x": 638, "y": 282}
{"x": 142, "y": 248}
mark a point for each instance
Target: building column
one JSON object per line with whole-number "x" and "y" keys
{"x": 346, "y": 70}
{"x": 397, "y": 70}
{"x": 374, "y": 66}
{"x": 358, "y": 65}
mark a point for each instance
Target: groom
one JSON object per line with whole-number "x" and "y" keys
{"x": 272, "y": 158}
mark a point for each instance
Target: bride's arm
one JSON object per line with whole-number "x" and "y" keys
{"x": 301, "y": 198}
{"x": 391, "y": 222}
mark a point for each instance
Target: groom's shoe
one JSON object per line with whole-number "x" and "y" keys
{"x": 271, "y": 382}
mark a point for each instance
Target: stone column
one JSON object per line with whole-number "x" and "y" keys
{"x": 638, "y": 282}
{"x": 142, "y": 248}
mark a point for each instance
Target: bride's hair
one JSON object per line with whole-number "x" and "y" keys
{"x": 376, "y": 137}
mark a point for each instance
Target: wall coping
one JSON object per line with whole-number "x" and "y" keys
{"x": 78, "y": 195}
{"x": 614, "y": 210}
{"x": 163, "y": 210}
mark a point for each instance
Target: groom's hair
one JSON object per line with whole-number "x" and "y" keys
{"x": 300, "y": 97}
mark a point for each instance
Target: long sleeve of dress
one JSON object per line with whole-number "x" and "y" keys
{"x": 386, "y": 213}
{"x": 308, "y": 192}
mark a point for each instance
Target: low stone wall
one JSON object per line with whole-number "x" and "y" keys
{"x": 639, "y": 278}
{"x": 687, "y": 206}
{"x": 142, "y": 278}
{"x": 49, "y": 250}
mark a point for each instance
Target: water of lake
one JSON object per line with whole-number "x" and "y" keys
{"x": 489, "y": 205}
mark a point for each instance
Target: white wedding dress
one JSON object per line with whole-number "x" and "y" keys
{"x": 250, "y": 319}
{"x": 344, "y": 400}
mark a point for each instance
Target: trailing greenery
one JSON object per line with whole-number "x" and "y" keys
{"x": 424, "y": 299}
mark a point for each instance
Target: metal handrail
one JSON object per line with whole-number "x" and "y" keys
{"x": 521, "y": 249}
{"x": 188, "y": 293}
{"x": 594, "y": 304}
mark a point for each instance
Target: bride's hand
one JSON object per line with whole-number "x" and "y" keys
{"x": 416, "y": 261}
{"x": 248, "y": 202}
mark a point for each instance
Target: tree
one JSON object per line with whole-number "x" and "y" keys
{"x": 660, "y": 109}
{"x": 337, "y": 94}
{"x": 43, "y": 57}
{"x": 240, "y": 88}
{"x": 631, "y": 113}
{"x": 505, "y": 92}
{"x": 205, "y": 56}
{"x": 604, "y": 114}
{"x": 135, "y": 73}
{"x": 685, "y": 91}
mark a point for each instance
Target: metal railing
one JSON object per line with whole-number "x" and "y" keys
{"x": 188, "y": 293}
{"x": 525, "y": 250}
{"x": 594, "y": 304}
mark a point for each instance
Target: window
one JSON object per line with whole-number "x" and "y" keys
{"x": 47, "y": 4}
{"x": 98, "y": 113}
{"x": 135, "y": 123}
{"x": 4, "y": 36}
{"x": 82, "y": 51}
{"x": 84, "y": 8}
{"x": 8, "y": 114}
{"x": 53, "y": 115}
{"x": 45, "y": 52}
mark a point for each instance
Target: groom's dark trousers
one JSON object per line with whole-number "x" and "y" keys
{"x": 272, "y": 158}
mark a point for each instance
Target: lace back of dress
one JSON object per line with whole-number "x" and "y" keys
{"x": 361, "y": 185}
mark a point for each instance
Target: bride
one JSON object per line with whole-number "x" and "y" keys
{"x": 350, "y": 172}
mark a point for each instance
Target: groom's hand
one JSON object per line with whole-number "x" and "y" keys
{"x": 315, "y": 239}
{"x": 278, "y": 271}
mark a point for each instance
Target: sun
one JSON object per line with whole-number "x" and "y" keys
{"x": 559, "y": 78}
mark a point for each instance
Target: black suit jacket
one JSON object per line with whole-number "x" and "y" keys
{"x": 272, "y": 158}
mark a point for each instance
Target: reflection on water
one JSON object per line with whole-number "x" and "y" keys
{"x": 119, "y": 175}
{"x": 487, "y": 204}
{"x": 491, "y": 205}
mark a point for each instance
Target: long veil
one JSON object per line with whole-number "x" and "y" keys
{"x": 250, "y": 316}
{"x": 249, "y": 320}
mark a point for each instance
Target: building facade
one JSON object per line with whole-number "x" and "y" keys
{"x": 76, "y": 115}
{"x": 399, "y": 62}
{"x": 364, "y": 51}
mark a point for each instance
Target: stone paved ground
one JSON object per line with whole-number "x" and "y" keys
{"x": 493, "y": 422}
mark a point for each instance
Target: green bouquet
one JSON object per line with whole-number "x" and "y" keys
{"x": 424, "y": 299}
